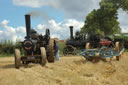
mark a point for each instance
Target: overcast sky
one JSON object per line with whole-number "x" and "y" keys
{"x": 57, "y": 15}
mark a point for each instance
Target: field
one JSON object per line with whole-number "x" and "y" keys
{"x": 70, "y": 70}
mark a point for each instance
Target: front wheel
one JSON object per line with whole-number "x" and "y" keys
{"x": 43, "y": 56}
{"x": 17, "y": 58}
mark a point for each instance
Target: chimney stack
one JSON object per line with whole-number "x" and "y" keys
{"x": 28, "y": 25}
{"x": 71, "y": 32}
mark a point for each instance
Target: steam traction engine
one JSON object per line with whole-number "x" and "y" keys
{"x": 37, "y": 48}
{"x": 74, "y": 43}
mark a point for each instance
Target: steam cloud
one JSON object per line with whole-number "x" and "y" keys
{"x": 39, "y": 14}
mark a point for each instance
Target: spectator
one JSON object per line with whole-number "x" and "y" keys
{"x": 57, "y": 52}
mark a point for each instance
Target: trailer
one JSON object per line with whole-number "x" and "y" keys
{"x": 106, "y": 50}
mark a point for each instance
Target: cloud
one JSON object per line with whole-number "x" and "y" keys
{"x": 122, "y": 18}
{"x": 4, "y": 22}
{"x": 59, "y": 30}
{"x": 30, "y": 3}
{"x": 124, "y": 30}
{"x": 77, "y": 9}
{"x": 10, "y": 33}
{"x": 123, "y": 22}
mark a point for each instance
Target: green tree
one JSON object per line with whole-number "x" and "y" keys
{"x": 120, "y": 4}
{"x": 103, "y": 20}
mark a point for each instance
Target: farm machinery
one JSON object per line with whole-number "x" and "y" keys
{"x": 74, "y": 43}
{"x": 94, "y": 47}
{"x": 37, "y": 48}
{"x": 103, "y": 48}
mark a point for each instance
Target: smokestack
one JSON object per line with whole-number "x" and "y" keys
{"x": 28, "y": 25}
{"x": 71, "y": 32}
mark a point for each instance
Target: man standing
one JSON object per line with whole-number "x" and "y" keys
{"x": 57, "y": 51}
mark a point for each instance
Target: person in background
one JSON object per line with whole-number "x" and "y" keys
{"x": 57, "y": 51}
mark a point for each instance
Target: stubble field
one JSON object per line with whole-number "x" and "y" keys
{"x": 70, "y": 70}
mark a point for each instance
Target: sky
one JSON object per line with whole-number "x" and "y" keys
{"x": 57, "y": 15}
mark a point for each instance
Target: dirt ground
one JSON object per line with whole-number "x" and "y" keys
{"x": 68, "y": 71}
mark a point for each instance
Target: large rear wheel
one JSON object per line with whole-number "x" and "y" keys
{"x": 43, "y": 56}
{"x": 88, "y": 46}
{"x": 17, "y": 58}
{"x": 50, "y": 49}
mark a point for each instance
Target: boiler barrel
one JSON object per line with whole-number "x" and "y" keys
{"x": 76, "y": 43}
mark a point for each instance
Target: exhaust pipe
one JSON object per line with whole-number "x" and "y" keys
{"x": 28, "y": 25}
{"x": 71, "y": 32}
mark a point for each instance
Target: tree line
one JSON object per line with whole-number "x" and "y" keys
{"x": 7, "y": 47}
